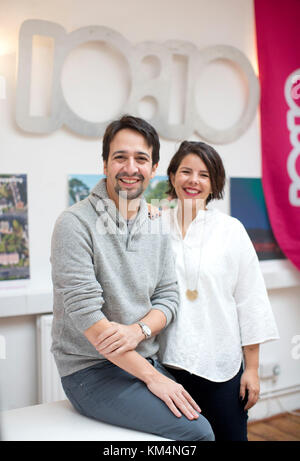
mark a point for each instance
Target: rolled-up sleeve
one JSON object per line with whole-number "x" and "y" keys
{"x": 73, "y": 274}
{"x": 256, "y": 319}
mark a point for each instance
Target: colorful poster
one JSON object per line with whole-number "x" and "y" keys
{"x": 14, "y": 244}
{"x": 80, "y": 186}
{"x": 247, "y": 204}
{"x": 278, "y": 48}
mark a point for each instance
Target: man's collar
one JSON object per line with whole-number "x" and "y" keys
{"x": 99, "y": 194}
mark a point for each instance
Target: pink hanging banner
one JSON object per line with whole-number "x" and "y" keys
{"x": 278, "y": 49}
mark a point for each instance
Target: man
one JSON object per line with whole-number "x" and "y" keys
{"x": 115, "y": 289}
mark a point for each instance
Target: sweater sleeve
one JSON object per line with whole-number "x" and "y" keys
{"x": 166, "y": 295}
{"x": 73, "y": 274}
{"x": 256, "y": 320}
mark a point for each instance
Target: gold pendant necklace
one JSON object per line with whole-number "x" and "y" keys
{"x": 192, "y": 294}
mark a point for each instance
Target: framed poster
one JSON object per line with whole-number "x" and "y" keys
{"x": 14, "y": 242}
{"x": 247, "y": 204}
{"x": 80, "y": 186}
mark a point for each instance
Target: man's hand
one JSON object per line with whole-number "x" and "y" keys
{"x": 111, "y": 336}
{"x": 118, "y": 338}
{"x": 175, "y": 397}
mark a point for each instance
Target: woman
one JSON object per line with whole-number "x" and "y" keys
{"x": 224, "y": 313}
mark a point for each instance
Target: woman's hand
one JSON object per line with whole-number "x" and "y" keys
{"x": 250, "y": 382}
{"x": 175, "y": 396}
{"x": 153, "y": 211}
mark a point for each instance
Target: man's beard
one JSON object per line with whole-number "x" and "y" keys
{"x": 130, "y": 194}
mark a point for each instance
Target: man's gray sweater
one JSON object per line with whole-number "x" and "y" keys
{"x": 101, "y": 270}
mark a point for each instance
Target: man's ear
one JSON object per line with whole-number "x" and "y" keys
{"x": 104, "y": 167}
{"x": 154, "y": 170}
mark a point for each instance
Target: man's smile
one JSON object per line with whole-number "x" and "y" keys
{"x": 129, "y": 181}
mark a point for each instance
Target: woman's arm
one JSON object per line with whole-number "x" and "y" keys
{"x": 250, "y": 378}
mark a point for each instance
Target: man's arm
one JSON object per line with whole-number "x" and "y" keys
{"x": 118, "y": 338}
{"x": 74, "y": 278}
{"x": 171, "y": 393}
{"x": 121, "y": 338}
{"x": 73, "y": 272}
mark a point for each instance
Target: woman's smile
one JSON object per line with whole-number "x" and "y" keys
{"x": 191, "y": 192}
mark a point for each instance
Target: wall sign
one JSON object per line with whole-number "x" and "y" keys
{"x": 157, "y": 87}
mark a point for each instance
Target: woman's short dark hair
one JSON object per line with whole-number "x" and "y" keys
{"x": 136, "y": 124}
{"x": 212, "y": 160}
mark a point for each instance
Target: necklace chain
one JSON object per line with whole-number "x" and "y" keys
{"x": 193, "y": 294}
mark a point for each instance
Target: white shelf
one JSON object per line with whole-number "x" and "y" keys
{"x": 24, "y": 299}
{"x": 280, "y": 273}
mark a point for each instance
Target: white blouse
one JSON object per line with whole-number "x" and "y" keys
{"x": 232, "y": 309}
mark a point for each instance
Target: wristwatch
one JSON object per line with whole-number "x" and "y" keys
{"x": 145, "y": 329}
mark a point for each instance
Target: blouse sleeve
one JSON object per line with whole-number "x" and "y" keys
{"x": 256, "y": 319}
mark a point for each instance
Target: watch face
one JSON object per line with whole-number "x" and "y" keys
{"x": 147, "y": 330}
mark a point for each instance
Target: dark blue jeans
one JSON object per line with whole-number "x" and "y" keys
{"x": 220, "y": 403}
{"x": 107, "y": 393}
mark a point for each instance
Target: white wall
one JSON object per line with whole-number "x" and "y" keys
{"x": 48, "y": 159}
